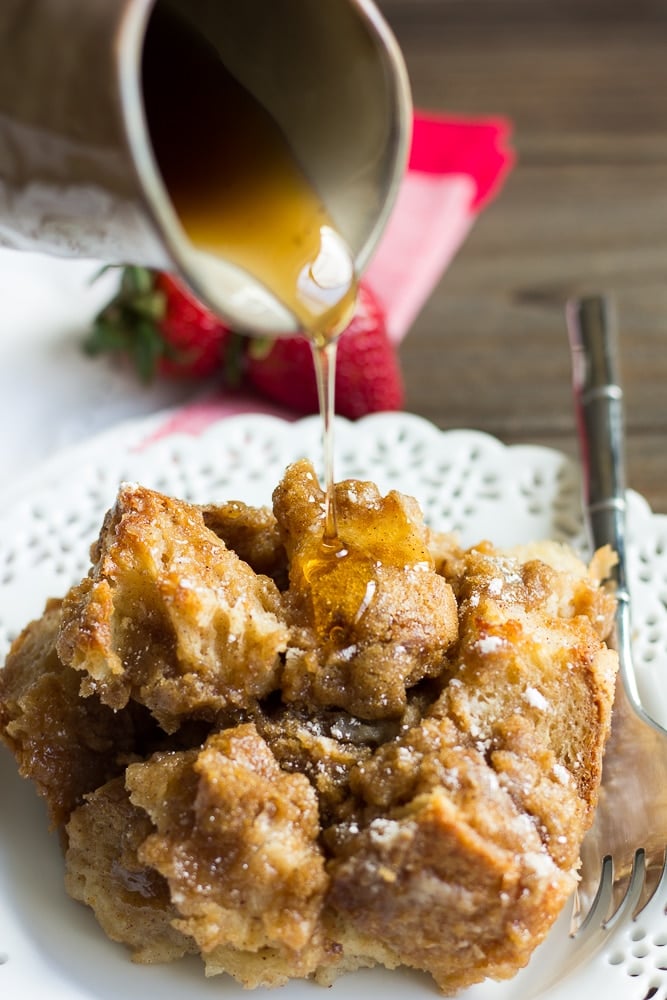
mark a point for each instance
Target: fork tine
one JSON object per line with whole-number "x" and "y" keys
{"x": 627, "y": 890}
{"x": 655, "y": 883}
{"x": 617, "y": 896}
{"x": 583, "y": 920}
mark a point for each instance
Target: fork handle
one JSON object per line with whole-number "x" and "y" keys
{"x": 599, "y": 408}
{"x": 600, "y": 415}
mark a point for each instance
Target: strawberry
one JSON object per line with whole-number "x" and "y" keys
{"x": 368, "y": 376}
{"x": 158, "y": 323}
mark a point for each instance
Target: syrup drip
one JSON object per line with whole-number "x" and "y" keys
{"x": 324, "y": 358}
{"x": 241, "y": 196}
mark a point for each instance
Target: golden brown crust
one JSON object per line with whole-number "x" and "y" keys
{"x": 67, "y": 745}
{"x": 253, "y": 533}
{"x": 170, "y": 617}
{"x": 530, "y": 652}
{"x": 130, "y": 899}
{"x": 398, "y": 774}
{"x": 236, "y": 839}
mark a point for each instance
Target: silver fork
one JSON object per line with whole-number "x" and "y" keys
{"x": 624, "y": 853}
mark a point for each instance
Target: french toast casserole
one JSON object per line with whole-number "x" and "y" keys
{"x": 297, "y": 760}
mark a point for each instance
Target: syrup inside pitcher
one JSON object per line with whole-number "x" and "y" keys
{"x": 236, "y": 185}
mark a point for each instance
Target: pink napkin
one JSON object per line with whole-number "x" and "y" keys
{"x": 456, "y": 167}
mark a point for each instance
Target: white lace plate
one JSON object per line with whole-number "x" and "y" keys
{"x": 465, "y": 481}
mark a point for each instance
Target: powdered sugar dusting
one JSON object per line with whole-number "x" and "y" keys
{"x": 490, "y": 643}
{"x": 535, "y": 699}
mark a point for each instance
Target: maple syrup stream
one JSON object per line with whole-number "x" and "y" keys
{"x": 241, "y": 196}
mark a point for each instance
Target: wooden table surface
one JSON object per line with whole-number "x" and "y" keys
{"x": 584, "y": 211}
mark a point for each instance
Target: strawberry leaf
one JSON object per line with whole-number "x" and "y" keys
{"x": 104, "y": 338}
{"x": 234, "y": 360}
{"x": 259, "y": 348}
{"x": 147, "y": 349}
